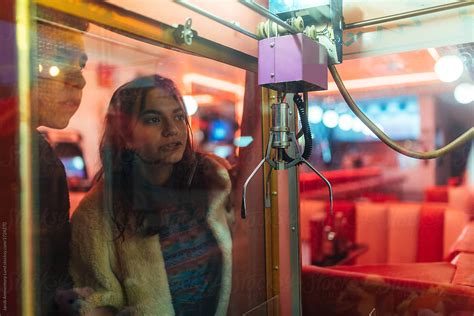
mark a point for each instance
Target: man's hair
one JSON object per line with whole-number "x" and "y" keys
{"x": 59, "y": 17}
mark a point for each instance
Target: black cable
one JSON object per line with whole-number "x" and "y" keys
{"x": 308, "y": 141}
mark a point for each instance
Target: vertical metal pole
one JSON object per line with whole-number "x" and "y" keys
{"x": 23, "y": 40}
{"x": 295, "y": 251}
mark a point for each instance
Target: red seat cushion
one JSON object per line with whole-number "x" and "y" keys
{"x": 430, "y": 233}
{"x": 402, "y": 290}
{"x": 438, "y": 272}
{"x": 465, "y": 242}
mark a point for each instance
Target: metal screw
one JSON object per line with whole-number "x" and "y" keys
{"x": 272, "y": 74}
{"x": 272, "y": 44}
{"x": 291, "y": 113}
{"x": 293, "y": 228}
{"x": 274, "y": 192}
{"x": 275, "y": 267}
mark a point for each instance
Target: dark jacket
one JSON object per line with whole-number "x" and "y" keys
{"x": 54, "y": 228}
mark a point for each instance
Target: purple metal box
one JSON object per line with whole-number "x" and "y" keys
{"x": 292, "y": 63}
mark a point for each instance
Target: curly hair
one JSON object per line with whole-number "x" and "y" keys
{"x": 117, "y": 167}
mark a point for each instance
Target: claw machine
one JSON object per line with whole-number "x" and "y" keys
{"x": 179, "y": 157}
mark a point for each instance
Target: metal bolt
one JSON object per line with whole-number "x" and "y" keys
{"x": 274, "y": 192}
{"x": 293, "y": 228}
{"x": 272, "y": 44}
{"x": 273, "y": 97}
{"x": 275, "y": 267}
{"x": 291, "y": 113}
{"x": 272, "y": 74}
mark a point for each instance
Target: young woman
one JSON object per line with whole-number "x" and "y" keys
{"x": 153, "y": 233}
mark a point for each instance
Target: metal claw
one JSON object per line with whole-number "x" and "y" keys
{"x": 299, "y": 158}
{"x": 331, "y": 211}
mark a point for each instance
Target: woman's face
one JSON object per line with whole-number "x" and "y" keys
{"x": 159, "y": 132}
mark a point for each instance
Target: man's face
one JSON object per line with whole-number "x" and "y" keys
{"x": 58, "y": 91}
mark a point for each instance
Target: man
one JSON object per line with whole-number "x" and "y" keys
{"x": 56, "y": 97}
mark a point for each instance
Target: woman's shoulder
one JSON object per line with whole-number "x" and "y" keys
{"x": 212, "y": 166}
{"x": 212, "y": 171}
{"x": 90, "y": 207}
{"x": 214, "y": 160}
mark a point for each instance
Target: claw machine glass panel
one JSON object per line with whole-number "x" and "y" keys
{"x": 151, "y": 157}
{"x": 136, "y": 145}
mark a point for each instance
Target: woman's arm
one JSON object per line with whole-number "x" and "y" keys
{"x": 91, "y": 254}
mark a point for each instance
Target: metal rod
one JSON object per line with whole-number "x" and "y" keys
{"x": 295, "y": 245}
{"x": 409, "y": 14}
{"x": 215, "y": 18}
{"x": 28, "y": 223}
{"x": 145, "y": 29}
{"x": 243, "y": 213}
{"x": 467, "y": 136}
{"x": 271, "y": 16}
{"x": 266, "y": 303}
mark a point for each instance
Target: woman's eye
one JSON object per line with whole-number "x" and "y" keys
{"x": 180, "y": 117}
{"x": 152, "y": 120}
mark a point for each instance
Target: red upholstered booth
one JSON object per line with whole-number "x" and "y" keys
{"x": 395, "y": 232}
{"x": 404, "y": 289}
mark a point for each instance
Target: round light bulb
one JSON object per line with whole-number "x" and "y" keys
{"x": 315, "y": 114}
{"x": 449, "y": 68}
{"x": 53, "y": 71}
{"x": 357, "y": 125}
{"x": 393, "y": 107}
{"x": 345, "y": 122}
{"x": 330, "y": 119}
{"x": 464, "y": 93}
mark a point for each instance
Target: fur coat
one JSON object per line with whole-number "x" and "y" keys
{"x": 130, "y": 272}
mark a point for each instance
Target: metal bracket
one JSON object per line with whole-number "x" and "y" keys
{"x": 184, "y": 33}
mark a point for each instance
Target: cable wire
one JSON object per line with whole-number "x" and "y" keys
{"x": 468, "y": 135}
